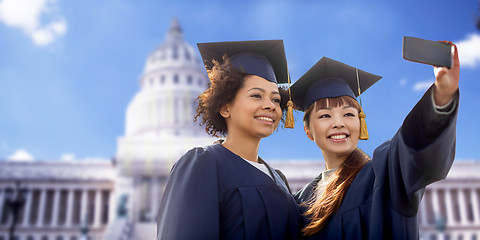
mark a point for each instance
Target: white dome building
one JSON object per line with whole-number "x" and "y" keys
{"x": 173, "y": 77}
{"x": 159, "y": 124}
{"x": 159, "y": 120}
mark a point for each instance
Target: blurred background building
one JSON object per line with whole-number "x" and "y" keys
{"x": 118, "y": 198}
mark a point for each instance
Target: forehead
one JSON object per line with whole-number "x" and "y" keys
{"x": 342, "y": 107}
{"x": 340, "y": 102}
{"x": 253, "y": 81}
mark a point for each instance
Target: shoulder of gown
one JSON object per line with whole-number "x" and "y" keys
{"x": 307, "y": 192}
{"x": 190, "y": 197}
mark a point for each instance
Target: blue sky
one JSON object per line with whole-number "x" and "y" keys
{"x": 68, "y": 69}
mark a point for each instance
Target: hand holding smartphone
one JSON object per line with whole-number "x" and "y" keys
{"x": 428, "y": 52}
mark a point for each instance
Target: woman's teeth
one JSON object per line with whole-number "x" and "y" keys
{"x": 338, "y": 136}
{"x": 265, "y": 119}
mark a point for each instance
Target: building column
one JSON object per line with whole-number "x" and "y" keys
{"x": 136, "y": 199}
{"x": 441, "y": 236}
{"x": 98, "y": 208}
{"x": 2, "y": 202}
{"x": 83, "y": 207}
{"x": 28, "y": 208}
{"x": 184, "y": 116}
{"x": 41, "y": 208}
{"x": 449, "y": 206}
{"x": 462, "y": 204}
{"x": 475, "y": 209}
{"x": 69, "y": 215}
{"x": 423, "y": 212}
{"x": 112, "y": 205}
{"x": 155, "y": 185}
{"x": 435, "y": 206}
{"x": 56, "y": 205}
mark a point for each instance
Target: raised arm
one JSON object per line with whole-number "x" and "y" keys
{"x": 423, "y": 149}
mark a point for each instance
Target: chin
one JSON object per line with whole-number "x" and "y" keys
{"x": 345, "y": 152}
{"x": 264, "y": 134}
{"x": 341, "y": 152}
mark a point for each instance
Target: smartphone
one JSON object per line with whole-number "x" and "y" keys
{"x": 428, "y": 52}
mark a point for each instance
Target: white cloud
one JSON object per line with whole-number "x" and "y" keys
{"x": 68, "y": 157}
{"x": 27, "y": 15}
{"x": 422, "y": 86}
{"x": 469, "y": 50}
{"x": 21, "y": 156}
{"x": 403, "y": 81}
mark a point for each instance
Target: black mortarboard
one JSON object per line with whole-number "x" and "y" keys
{"x": 330, "y": 78}
{"x": 265, "y": 58}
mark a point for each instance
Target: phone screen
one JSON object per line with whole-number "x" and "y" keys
{"x": 428, "y": 52}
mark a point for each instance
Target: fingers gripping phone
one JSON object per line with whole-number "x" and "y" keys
{"x": 428, "y": 52}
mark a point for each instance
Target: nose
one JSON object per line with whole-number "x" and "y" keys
{"x": 268, "y": 105}
{"x": 338, "y": 123}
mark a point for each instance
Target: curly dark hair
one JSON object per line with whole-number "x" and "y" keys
{"x": 225, "y": 81}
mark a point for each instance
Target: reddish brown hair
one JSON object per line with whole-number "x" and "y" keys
{"x": 322, "y": 208}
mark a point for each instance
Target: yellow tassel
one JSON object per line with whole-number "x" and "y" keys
{"x": 363, "y": 126}
{"x": 289, "y": 121}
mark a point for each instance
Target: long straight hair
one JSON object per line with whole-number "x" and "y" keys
{"x": 320, "y": 209}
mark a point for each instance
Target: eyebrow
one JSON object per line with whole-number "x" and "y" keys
{"x": 262, "y": 90}
{"x": 327, "y": 108}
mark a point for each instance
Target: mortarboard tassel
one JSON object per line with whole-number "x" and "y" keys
{"x": 361, "y": 114}
{"x": 289, "y": 121}
{"x": 363, "y": 126}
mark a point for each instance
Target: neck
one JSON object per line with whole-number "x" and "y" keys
{"x": 334, "y": 160}
{"x": 244, "y": 147}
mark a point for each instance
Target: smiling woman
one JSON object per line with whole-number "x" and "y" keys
{"x": 341, "y": 113}
{"x": 359, "y": 197}
{"x": 254, "y": 113}
{"x": 225, "y": 191}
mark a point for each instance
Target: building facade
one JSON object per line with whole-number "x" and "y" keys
{"x": 450, "y": 208}
{"x": 62, "y": 198}
{"x": 118, "y": 198}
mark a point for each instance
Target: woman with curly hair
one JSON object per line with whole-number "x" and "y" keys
{"x": 225, "y": 191}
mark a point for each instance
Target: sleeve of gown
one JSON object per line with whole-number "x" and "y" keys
{"x": 190, "y": 204}
{"x": 420, "y": 153}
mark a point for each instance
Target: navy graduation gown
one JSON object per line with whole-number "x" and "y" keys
{"x": 214, "y": 194}
{"x": 383, "y": 199}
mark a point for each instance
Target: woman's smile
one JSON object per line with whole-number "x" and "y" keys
{"x": 339, "y": 137}
{"x": 266, "y": 119}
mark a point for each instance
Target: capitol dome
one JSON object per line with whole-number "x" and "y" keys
{"x": 172, "y": 79}
{"x": 159, "y": 126}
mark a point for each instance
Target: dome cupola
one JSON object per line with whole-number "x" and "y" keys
{"x": 172, "y": 79}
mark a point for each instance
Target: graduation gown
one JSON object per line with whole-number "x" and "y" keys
{"x": 383, "y": 199}
{"x": 214, "y": 194}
